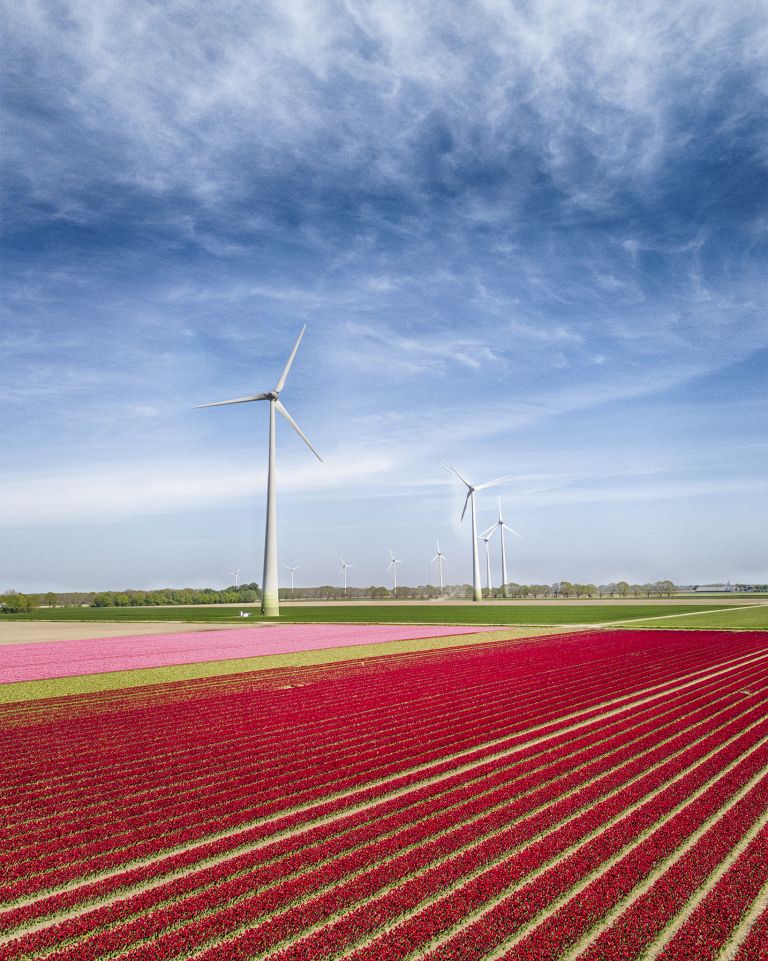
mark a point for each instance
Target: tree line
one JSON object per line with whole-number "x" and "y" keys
{"x": 12, "y": 602}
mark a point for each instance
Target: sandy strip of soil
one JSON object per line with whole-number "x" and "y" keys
{"x": 30, "y": 632}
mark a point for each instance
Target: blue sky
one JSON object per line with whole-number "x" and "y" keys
{"x": 527, "y": 238}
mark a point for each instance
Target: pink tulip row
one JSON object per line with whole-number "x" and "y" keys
{"x": 496, "y": 789}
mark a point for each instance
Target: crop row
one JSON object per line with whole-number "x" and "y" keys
{"x": 105, "y": 855}
{"x": 412, "y": 684}
{"x": 485, "y": 776}
{"x": 142, "y": 813}
{"x": 468, "y": 804}
{"x": 217, "y": 749}
{"x": 370, "y": 882}
{"x": 716, "y": 917}
{"x": 259, "y": 741}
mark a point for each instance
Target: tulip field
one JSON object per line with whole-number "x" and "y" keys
{"x": 599, "y": 795}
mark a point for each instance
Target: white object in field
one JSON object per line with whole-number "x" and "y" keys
{"x": 245, "y": 613}
{"x": 477, "y": 594}
{"x": 270, "y": 604}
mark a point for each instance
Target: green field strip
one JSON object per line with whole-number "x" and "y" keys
{"x": 488, "y": 613}
{"x": 116, "y": 680}
{"x": 727, "y": 619}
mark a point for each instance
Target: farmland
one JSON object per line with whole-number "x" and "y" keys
{"x": 596, "y": 795}
{"x": 489, "y": 613}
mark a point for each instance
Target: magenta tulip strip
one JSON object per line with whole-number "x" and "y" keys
{"x": 598, "y": 795}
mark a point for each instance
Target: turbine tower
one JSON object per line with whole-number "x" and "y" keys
{"x": 393, "y": 567}
{"x": 439, "y": 558}
{"x": 343, "y": 571}
{"x": 477, "y": 593}
{"x": 237, "y": 577}
{"x": 485, "y": 537}
{"x": 292, "y": 569}
{"x": 270, "y": 605}
{"x": 500, "y": 526}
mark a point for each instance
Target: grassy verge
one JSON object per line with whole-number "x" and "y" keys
{"x": 734, "y": 618}
{"x": 466, "y": 614}
{"x": 116, "y": 680}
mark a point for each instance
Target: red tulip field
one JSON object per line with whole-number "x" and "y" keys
{"x": 599, "y": 795}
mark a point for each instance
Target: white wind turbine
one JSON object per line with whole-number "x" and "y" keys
{"x": 500, "y": 526}
{"x": 477, "y": 594}
{"x": 439, "y": 558}
{"x": 343, "y": 571}
{"x": 485, "y": 537}
{"x": 292, "y": 570}
{"x": 237, "y": 577}
{"x": 393, "y": 567}
{"x": 270, "y": 605}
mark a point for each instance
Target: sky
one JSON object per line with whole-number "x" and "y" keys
{"x": 528, "y": 238}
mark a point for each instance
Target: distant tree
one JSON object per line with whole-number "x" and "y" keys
{"x": 622, "y": 588}
{"x": 50, "y": 599}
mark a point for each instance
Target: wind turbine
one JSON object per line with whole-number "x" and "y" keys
{"x": 343, "y": 571}
{"x": 485, "y": 537}
{"x": 237, "y": 576}
{"x": 439, "y": 558}
{"x": 270, "y": 604}
{"x": 477, "y": 594}
{"x": 292, "y": 569}
{"x": 393, "y": 567}
{"x": 500, "y": 526}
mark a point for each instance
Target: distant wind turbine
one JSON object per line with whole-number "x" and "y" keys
{"x": 270, "y": 604}
{"x": 477, "y": 594}
{"x": 237, "y": 576}
{"x": 343, "y": 570}
{"x": 485, "y": 537}
{"x": 439, "y": 558}
{"x": 393, "y": 567}
{"x": 292, "y": 569}
{"x": 500, "y": 526}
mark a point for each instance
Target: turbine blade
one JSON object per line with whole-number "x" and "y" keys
{"x": 466, "y": 501}
{"x": 490, "y": 532}
{"x": 434, "y": 559}
{"x": 237, "y": 400}
{"x": 391, "y": 554}
{"x": 454, "y": 471}
{"x": 493, "y": 483}
{"x": 296, "y": 427}
{"x": 281, "y": 382}
{"x": 511, "y": 531}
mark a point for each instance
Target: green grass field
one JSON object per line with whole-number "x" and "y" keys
{"x": 749, "y": 618}
{"x": 469, "y": 614}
